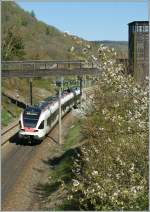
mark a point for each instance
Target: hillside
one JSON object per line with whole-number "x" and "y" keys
{"x": 37, "y": 40}
{"x": 120, "y": 46}
{"x": 26, "y": 38}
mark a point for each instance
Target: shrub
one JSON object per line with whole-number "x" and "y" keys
{"x": 111, "y": 173}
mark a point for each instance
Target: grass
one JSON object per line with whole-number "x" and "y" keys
{"x": 9, "y": 112}
{"x": 63, "y": 163}
{"x": 44, "y": 84}
{"x": 73, "y": 136}
{"x": 61, "y": 170}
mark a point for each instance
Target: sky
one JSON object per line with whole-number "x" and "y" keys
{"x": 91, "y": 21}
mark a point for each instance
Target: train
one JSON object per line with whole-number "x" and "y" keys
{"x": 36, "y": 121}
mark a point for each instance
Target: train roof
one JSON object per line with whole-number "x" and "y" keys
{"x": 43, "y": 104}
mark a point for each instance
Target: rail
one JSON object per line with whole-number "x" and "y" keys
{"x": 6, "y": 135}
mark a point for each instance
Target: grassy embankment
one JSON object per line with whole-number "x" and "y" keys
{"x": 9, "y": 112}
{"x": 61, "y": 172}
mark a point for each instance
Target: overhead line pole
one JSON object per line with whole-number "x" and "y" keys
{"x": 59, "y": 138}
{"x": 81, "y": 85}
{"x": 30, "y": 92}
{"x": 62, "y": 83}
{"x": 59, "y": 83}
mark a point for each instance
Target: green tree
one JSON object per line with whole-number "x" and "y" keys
{"x": 33, "y": 14}
{"x": 111, "y": 171}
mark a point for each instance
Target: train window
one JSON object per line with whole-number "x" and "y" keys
{"x": 31, "y": 116}
{"x": 146, "y": 28}
{"x": 49, "y": 121}
{"x": 41, "y": 125}
{"x": 64, "y": 107}
{"x": 52, "y": 117}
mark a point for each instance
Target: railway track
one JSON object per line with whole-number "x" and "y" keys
{"x": 13, "y": 128}
{"x": 9, "y": 131}
{"x": 23, "y": 166}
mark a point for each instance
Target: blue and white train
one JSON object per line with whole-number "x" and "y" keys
{"x": 36, "y": 121}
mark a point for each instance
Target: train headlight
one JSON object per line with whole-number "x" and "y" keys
{"x": 35, "y": 130}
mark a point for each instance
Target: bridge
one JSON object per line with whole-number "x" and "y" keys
{"x": 31, "y": 69}
{"x": 40, "y": 68}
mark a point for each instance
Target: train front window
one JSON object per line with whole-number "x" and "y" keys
{"x": 31, "y": 117}
{"x": 41, "y": 125}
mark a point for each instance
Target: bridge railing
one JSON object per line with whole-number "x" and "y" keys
{"x": 40, "y": 68}
{"x": 40, "y": 64}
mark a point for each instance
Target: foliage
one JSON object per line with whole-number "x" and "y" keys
{"x": 12, "y": 45}
{"x": 73, "y": 135}
{"x": 24, "y": 22}
{"x": 121, "y": 47}
{"x": 6, "y": 117}
{"x": 9, "y": 112}
{"x": 111, "y": 173}
{"x": 47, "y": 31}
{"x": 32, "y": 14}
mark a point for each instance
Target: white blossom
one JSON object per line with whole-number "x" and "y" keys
{"x": 95, "y": 173}
{"x": 75, "y": 182}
